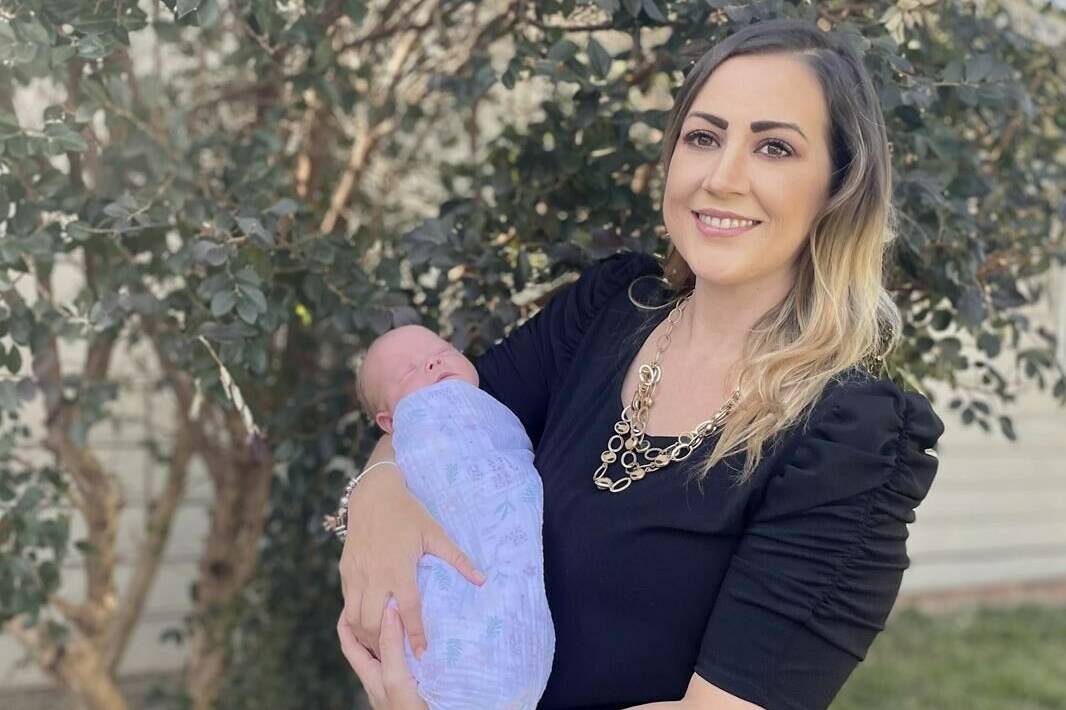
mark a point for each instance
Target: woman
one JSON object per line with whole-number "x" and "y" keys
{"x": 764, "y": 584}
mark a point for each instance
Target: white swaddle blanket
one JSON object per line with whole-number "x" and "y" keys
{"x": 468, "y": 459}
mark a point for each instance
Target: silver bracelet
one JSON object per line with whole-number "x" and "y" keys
{"x": 338, "y": 523}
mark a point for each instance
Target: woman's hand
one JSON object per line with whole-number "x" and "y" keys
{"x": 388, "y": 683}
{"x": 388, "y": 532}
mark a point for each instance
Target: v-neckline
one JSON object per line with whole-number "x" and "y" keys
{"x": 620, "y": 377}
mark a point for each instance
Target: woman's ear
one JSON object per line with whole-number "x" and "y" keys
{"x": 384, "y": 420}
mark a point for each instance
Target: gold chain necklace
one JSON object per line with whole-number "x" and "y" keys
{"x": 634, "y": 420}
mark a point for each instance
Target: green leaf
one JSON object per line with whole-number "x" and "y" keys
{"x": 249, "y": 276}
{"x": 1008, "y": 428}
{"x": 27, "y": 389}
{"x": 634, "y": 6}
{"x": 599, "y": 58}
{"x": 207, "y": 14}
{"x": 222, "y": 303}
{"x": 208, "y": 252}
{"x": 66, "y": 138}
{"x": 252, "y": 227}
{"x": 609, "y": 5}
{"x": 653, "y": 11}
{"x": 13, "y": 359}
{"x": 33, "y": 31}
{"x": 508, "y": 79}
{"x": 967, "y": 94}
{"x": 255, "y": 296}
{"x": 24, "y": 53}
{"x": 989, "y": 344}
{"x": 9, "y": 399}
{"x": 248, "y": 311}
{"x": 953, "y": 72}
{"x": 980, "y": 67}
{"x": 562, "y": 51}
{"x": 284, "y": 207}
{"x": 79, "y": 232}
{"x": 184, "y": 7}
{"x": 94, "y": 46}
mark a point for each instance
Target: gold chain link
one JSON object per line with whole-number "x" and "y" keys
{"x": 634, "y": 419}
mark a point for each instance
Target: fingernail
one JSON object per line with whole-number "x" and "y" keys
{"x": 419, "y": 651}
{"x": 480, "y": 576}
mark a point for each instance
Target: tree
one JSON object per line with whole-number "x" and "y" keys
{"x": 265, "y": 188}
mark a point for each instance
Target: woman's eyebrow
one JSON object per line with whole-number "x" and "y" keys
{"x": 756, "y": 126}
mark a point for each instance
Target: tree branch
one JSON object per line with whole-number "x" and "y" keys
{"x": 96, "y": 497}
{"x": 367, "y": 137}
{"x": 150, "y": 552}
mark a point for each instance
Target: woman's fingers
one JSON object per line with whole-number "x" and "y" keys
{"x": 351, "y": 614}
{"x": 365, "y": 666}
{"x": 409, "y": 605}
{"x": 400, "y": 687}
{"x": 371, "y": 608}
{"x": 441, "y": 546}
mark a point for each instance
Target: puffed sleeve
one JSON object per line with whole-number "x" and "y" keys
{"x": 522, "y": 368}
{"x": 819, "y": 565}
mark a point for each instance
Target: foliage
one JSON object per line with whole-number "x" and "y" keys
{"x": 255, "y": 190}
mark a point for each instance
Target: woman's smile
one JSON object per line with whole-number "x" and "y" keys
{"x": 718, "y": 227}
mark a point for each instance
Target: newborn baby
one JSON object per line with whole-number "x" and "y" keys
{"x": 467, "y": 458}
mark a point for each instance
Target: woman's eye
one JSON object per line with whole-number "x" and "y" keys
{"x": 779, "y": 149}
{"x": 784, "y": 150}
{"x": 693, "y": 137}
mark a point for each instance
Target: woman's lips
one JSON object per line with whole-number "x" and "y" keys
{"x": 708, "y": 230}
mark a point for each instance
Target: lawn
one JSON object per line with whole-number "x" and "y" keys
{"x": 985, "y": 659}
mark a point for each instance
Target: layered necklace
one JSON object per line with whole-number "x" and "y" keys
{"x": 629, "y": 429}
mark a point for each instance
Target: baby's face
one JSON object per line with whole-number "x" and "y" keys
{"x": 409, "y": 358}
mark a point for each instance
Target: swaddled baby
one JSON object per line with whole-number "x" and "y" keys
{"x": 467, "y": 458}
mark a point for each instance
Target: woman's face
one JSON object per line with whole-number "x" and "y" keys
{"x": 753, "y": 144}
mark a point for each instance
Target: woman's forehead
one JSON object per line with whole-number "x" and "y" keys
{"x": 774, "y": 87}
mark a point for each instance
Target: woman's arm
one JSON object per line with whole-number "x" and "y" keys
{"x": 388, "y": 532}
{"x": 818, "y": 567}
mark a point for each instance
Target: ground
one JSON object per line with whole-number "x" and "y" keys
{"x": 977, "y": 659}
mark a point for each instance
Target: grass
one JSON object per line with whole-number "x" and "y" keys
{"x": 983, "y": 659}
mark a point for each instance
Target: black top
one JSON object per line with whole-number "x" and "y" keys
{"x": 772, "y": 591}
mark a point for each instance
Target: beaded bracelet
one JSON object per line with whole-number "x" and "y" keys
{"x": 338, "y": 523}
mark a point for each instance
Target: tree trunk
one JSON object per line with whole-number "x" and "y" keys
{"x": 241, "y": 473}
{"x": 83, "y": 673}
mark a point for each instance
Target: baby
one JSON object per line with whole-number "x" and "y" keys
{"x": 467, "y": 458}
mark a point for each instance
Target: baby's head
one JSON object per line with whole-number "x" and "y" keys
{"x": 403, "y": 360}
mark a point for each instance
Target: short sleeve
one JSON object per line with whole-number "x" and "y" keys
{"x": 522, "y": 368}
{"x": 819, "y": 565}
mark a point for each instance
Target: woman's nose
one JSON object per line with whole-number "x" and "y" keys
{"x": 729, "y": 174}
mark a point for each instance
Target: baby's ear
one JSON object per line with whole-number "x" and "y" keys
{"x": 384, "y": 420}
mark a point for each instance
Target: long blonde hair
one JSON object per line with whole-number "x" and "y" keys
{"x": 838, "y": 315}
